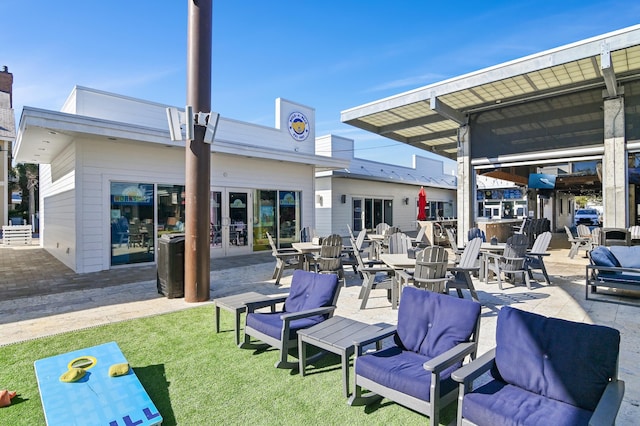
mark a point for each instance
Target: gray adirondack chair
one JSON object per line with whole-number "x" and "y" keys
{"x": 461, "y": 272}
{"x": 375, "y": 275}
{"x": 399, "y": 243}
{"x": 430, "y": 272}
{"x": 511, "y": 262}
{"x": 577, "y": 243}
{"x": 534, "y": 258}
{"x": 285, "y": 259}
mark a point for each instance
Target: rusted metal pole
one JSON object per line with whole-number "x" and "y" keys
{"x": 198, "y": 155}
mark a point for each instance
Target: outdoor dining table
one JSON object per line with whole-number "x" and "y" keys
{"x": 488, "y": 248}
{"x": 376, "y": 241}
{"x": 398, "y": 262}
{"x": 306, "y": 249}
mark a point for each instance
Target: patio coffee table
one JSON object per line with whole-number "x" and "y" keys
{"x": 97, "y": 398}
{"x": 335, "y": 335}
{"x": 237, "y": 304}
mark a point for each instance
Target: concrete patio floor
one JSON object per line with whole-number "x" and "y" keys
{"x": 132, "y": 294}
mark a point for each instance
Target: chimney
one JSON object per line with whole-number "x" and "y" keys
{"x": 6, "y": 83}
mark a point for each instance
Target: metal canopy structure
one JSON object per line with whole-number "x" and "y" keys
{"x": 547, "y": 101}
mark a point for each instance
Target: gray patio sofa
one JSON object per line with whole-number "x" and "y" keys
{"x": 613, "y": 267}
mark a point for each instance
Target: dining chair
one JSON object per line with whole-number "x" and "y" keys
{"x": 430, "y": 272}
{"x": 399, "y": 243}
{"x": 460, "y": 278}
{"x": 511, "y": 262}
{"x": 375, "y": 275}
{"x": 285, "y": 259}
{"x": 534, "y": 257}
{"x": 329, "y": 259}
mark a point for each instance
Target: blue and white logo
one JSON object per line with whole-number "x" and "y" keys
{"x": 298, "y": 126}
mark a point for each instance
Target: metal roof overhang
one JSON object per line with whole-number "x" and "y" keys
{"x": 429, "y": 117}
{"x": 44, "y": 134}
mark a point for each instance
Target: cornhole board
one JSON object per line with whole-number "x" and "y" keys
{"x": 97, "y": 398}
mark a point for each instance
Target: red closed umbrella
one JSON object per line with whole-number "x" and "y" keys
{"x": 422, "y": 204}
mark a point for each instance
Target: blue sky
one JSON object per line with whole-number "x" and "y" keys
{"x": 330, "y": 55}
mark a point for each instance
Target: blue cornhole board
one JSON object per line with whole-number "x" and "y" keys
{"x": 97, "y": 398}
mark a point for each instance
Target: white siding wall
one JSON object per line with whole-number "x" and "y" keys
{"x": 404, "y": 215}
{"x": 325, "y": 204}
{"x": 100, "y": 162}
{"x": 58, "y": 226}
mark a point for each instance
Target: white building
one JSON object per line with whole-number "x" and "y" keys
{"x": 368, "y": 192}
{"x": 112, "y": 181}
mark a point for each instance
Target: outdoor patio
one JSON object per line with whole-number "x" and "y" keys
{"x": 28, "y": 318}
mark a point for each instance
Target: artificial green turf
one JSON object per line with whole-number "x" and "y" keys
{"x": 197, "y": 377}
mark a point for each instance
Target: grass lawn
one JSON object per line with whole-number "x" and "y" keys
{"x": 197, "y": 377}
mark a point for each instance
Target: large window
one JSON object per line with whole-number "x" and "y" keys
{"x": 377, "y": 211}
{"x": 278, "y": 213}
{"x": 170, "y": 209}
{"x": 132, "y": 226}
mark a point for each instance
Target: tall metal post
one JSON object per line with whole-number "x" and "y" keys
{"x": 198, "y": 155}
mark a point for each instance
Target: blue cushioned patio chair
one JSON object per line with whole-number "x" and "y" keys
{"x": 435, "y": 332}
{"x": 311, "y": 300}
{"x": 544, "y": 371}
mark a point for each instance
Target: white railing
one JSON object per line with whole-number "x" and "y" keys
{"x": 14, "y": 235}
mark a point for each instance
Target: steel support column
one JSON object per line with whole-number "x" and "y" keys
{"x": 198, "y": 155}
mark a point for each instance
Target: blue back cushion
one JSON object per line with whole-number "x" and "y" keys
{"x": 568, "y": 361}
{"x": 627, "y": 256}
{"x": 602, "y": 256}
{"x": 310, "y": 290}
{"x": 431, "y": 323}
{"x": 476, "y": 233}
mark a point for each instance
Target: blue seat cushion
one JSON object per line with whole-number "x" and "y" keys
{"x": 568, "y": 361}
{"x": 271, "y": 324}
{"x": 628, "y": 257}
{"x": 498, "y": 403}
{"x": 310, "y": 290}
{"x": 602, "y": 256}
{"x": 402, "y": 370}
{"x": 431, "y": 323}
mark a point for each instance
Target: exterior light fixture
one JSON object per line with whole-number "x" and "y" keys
{"x": 187, "y": 118}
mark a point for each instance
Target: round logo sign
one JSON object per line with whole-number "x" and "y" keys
{"x": 298, "y": 126}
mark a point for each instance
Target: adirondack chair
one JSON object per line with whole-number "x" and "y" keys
{"x": 583, "y": 231}
{"x": 511, "y": 262}
{"x": 375, "y": 275}
{"x": 430, "y": 272}
{"x": 454, "y": 244}
{"x": 577, "y": 243}
{"x": 285, "y": 259}
{"x": 534, "y": 258}
{"x": 381, "y": 227}
{"x": 357, "y": 244}
{"x": 329, "y": 260}
{"x": 421, "y": 239}
{"x": 634, "y": 234}
{"x": 461, "y": 272}
{"x": 399, "y": 242}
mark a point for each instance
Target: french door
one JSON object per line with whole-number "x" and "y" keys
{"x": 231, "y": 214}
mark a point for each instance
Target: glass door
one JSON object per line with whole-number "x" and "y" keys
{"x": 230, "y": 214}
